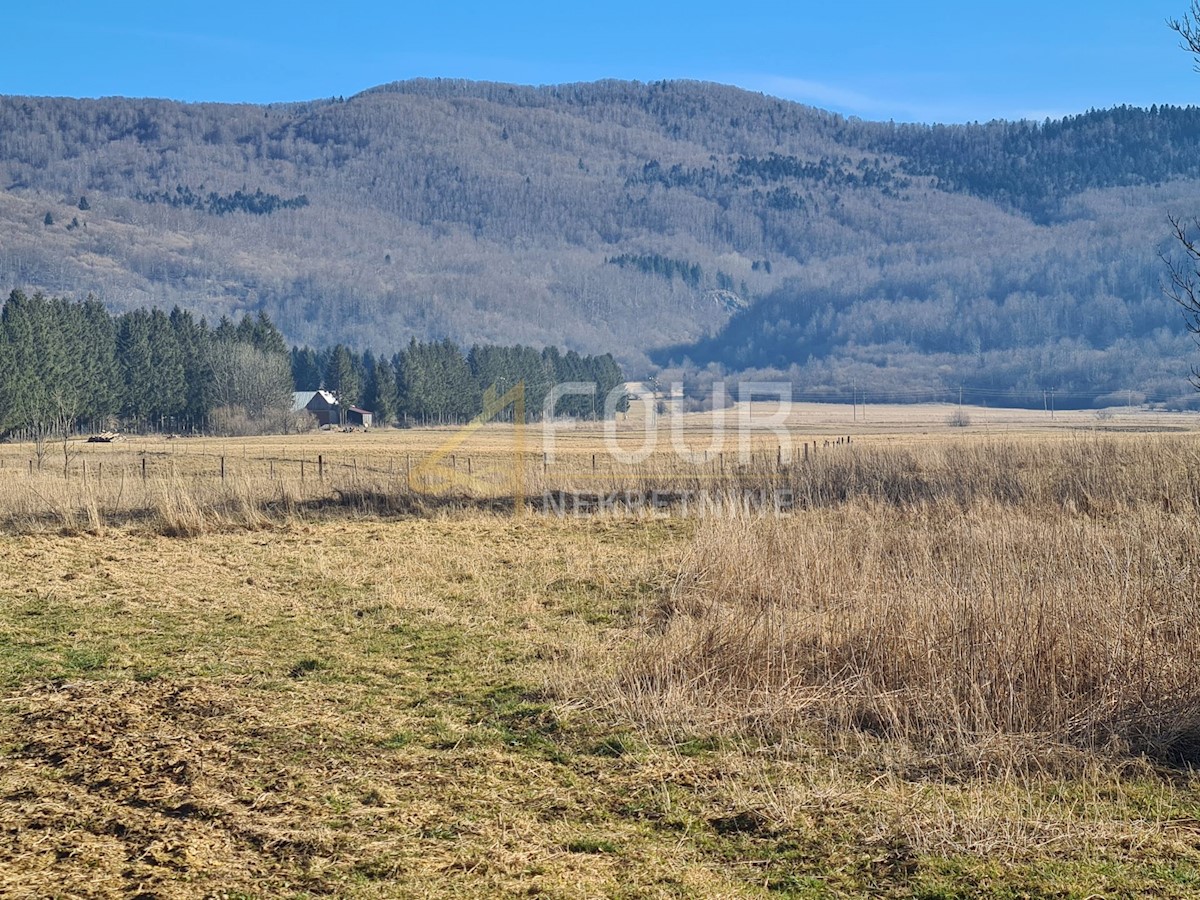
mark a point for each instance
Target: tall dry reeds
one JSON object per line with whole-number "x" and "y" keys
{"x": 1038, "y": 598}
{"x": 1084, "y": 473}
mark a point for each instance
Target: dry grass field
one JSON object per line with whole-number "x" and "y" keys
{"x": 962, "y": 663}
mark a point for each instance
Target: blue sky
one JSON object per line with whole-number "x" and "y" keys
{"x": 919, "y": 61}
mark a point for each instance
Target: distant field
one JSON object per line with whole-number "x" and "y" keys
{"x": 144, "y": 476}
{"x": 494, "y": 460}
{"x": 871, "y": 424}
{"x": 963, "y": 664}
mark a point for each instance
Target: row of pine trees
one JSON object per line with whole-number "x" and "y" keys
{"x": 66, "y": 364}
{"x": 71, "y": 364}
{"x": 436, "y": 382}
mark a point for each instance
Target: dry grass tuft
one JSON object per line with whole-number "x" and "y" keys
{"x": 971, "y": 636}
{"x": 981, "y": 605}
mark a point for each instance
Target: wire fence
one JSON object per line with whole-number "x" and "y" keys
{"x": 417, "y": 470}
{"x": 186, "y": 489}
{"x": 433, "y": 461}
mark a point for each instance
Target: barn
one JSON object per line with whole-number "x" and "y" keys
{"x": 324, "y": 407}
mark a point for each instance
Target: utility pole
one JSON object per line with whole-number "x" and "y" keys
{"x": 854, "y": 401}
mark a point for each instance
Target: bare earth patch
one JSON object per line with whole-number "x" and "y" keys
{"x": 148, "y": 788}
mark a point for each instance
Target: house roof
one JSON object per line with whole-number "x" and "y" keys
{"x": 300, "y": 399}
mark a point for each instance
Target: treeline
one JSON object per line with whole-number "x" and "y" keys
{"x": 691, "y": 274}
{"x": 662, "y": 266}
{"x": 740, "y": 172}
{"x": 836, "y": 172}
{"x": 435, "y": 382}
{"x": 259, "y": 203}
{"x": 67, "y": 363}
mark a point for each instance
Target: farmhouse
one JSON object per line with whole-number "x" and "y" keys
{"x": 324, "y": 407}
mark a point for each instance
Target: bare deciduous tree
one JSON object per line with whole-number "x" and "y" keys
{"x": 1184, "y": 273}
{"x": 256, "y": 383}
{"x": 1188, "y": 29}
{"x": 54, "y": 421}
{"x": 1183, "y": 284}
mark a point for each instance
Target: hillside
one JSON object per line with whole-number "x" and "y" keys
{"x": 676, "y": 224}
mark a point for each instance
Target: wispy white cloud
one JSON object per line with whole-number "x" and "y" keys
{"x": 836, "y": 97}
{"x": 816, "y": 93}
{"x": 914, "y": 106}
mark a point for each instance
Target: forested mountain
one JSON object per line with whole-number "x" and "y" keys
{"x": 678, "y": 224}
